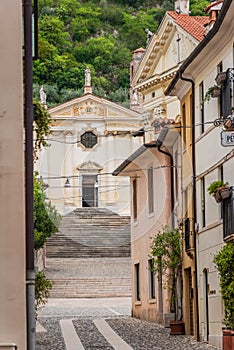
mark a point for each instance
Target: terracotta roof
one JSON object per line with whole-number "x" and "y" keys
{"x": 194, "y": 25}
{"x": 139, "y": 50}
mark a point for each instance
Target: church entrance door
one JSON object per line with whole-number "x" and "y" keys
{"x": 89, "y": 191}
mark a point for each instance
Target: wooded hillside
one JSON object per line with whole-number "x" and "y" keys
{"x": 100, "y": 34}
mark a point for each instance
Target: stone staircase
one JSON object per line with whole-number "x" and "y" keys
{"x": 90, "y": 255}
{"x": 91, "y": 287}
{"x": 89, "y": 278}
{"x": 90, "y": 232}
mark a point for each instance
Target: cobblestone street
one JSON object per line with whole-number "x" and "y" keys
{"x": 105, "y": 324}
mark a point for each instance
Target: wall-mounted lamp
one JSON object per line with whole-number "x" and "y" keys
{"x": 67, "y": 183}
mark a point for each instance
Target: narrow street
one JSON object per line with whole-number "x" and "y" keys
{"x": 105, "y": 324}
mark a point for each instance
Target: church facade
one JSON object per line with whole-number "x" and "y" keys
{"x": 90, "y": 137}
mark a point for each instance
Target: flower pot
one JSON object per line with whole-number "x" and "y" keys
{"x": 221, "y": 193}
{"x": 228, "y": 339}
{"x": 221, "y": 77}
{"x": 177, "y": 328}
{"x": 217, "y": 196}
{"x": 216, "y": 93}
{"x": 225, "y": 192}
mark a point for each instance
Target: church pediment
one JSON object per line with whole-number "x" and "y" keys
{"x": 89, "y": 106}
{"x": 89, "y": 167}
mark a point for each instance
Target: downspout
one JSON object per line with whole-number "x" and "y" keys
{"x": 194, "y": 197}
{"x": 172, "y": 183}
{"x": 28, "y": 120}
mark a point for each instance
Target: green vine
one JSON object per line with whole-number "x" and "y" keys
{"x": 224, "y": 261}
{"x": 42, "y": 121}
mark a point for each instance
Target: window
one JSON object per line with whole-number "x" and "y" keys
{"x": 187, "y": 234}
{"x": 150, "y": 190}
{"x": 153, "y": 94}
{"x": 201, "y": 98}
{"x": 227, "y": 93}
{"x": 176, "y": 174}
{"x": 184, "y": 124}
{"x": 134, "y": 199}
{"x": 228, "y": 215}
{"x": 220, "y": 100}
{"x": 203, "y": 204}
{"x": 137, "y": 282}
{"x": 222, "y": 179}
{"x": 151, "y": 279}
{"x": 185, "y": 202}
{"x": 88, "y": 139}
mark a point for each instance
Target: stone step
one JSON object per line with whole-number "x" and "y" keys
{"x": 91, "y": 287}
{"x": 87, "y": 254}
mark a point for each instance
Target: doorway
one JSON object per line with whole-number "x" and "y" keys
{"x": 189, "y": 301}
{"x": 206, "y": 304}
{"x": 89, "y": 191}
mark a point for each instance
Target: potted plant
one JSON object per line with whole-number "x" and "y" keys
{"x": 213, "y": 91}
{"x": 221, "y": 78}
{"x": 219, "y": 189}
{"x": 224, "y": 261}
{"x": 166, "y": 254}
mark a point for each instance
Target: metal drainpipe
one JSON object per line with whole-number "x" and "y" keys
{"x": 28, "y": 120}
{"x": 172, "y": 183}
{"x": 194, "y": 196}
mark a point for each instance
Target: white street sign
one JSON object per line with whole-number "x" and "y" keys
{"x": 227, "y": 138}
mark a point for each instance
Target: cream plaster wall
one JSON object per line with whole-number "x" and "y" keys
{"x": 146, "y": 226}
{"x": 209, "y": 155}
{"x": 12, "y": 226}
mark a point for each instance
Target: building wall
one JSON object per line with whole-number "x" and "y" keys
{"x": 189, "y": 270}
{"x": 211, "y": 157}
{"x": 12, "y": 227}
{"x": 146, "y": 226}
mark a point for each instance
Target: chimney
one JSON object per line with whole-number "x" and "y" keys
{"x": 182, "y": 7}
{"x": 213, "y": 10}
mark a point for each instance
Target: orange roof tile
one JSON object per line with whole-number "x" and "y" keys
{"x": 194, "y": 25}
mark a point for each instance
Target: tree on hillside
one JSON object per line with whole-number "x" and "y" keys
{"x": 100, "y": 34}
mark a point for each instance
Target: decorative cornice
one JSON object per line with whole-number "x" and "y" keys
{"x": 155, "y": 80}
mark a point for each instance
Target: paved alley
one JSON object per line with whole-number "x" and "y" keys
{"x": 105, "y": 324}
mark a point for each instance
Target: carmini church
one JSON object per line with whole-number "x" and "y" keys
{"x": 90, "y": 136}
